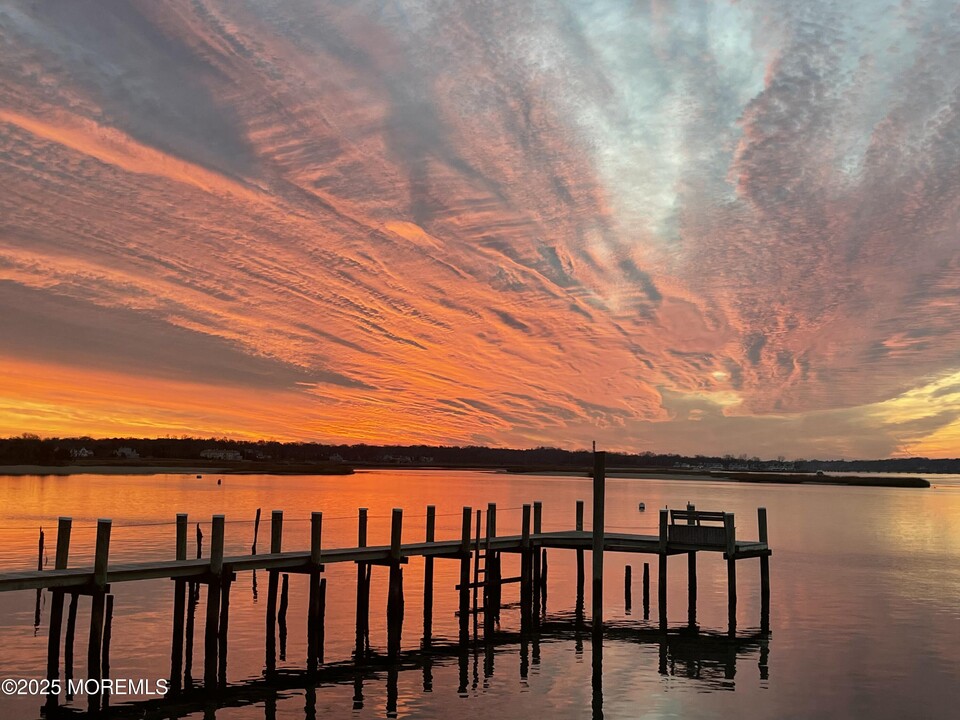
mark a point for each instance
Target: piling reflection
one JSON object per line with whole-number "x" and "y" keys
{"x": 596, "y": 681}
{"x": 711, "y": 658}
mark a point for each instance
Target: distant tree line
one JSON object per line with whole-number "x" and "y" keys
{"x": 30, "y": 449}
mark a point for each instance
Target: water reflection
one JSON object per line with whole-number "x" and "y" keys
{"x": 710, "y": 658}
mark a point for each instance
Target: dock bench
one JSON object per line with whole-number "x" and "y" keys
{"x": 697, "y": 527}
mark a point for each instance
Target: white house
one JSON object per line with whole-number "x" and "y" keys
{"x": 127, "y": 453}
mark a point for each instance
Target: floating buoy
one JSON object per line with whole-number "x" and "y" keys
{"x": 642, "y": 507}
{"x": 219, "y": 480}
{"x": 199, "y": 476}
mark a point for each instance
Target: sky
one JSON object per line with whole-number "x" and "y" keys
{"x": 727, "y": 227}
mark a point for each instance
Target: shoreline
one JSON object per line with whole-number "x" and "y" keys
{"x": 326, "y": 470}
{"x": 64, "y": 470}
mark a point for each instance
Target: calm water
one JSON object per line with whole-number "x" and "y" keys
{"x": 865, "y": 620}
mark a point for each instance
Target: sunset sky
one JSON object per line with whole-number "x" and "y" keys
{"x": 692, "y": 227}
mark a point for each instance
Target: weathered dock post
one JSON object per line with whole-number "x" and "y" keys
{"x": 282, "y": 614}
{"x": 543, "y": 581}
{"x": 691, "y": 572}
{"x": 492, "y": 575}
{"x": 628, "y": 589}
{"x": 579, "y": 527}
{"x": 395, "y": 589}
{"x": 276, "y": 543}
{"x": 646, "y": 591}
{"x": 465, "y": 575}
{"x": 69, "y": 643}
{"x": 537, "y": 564}
{"x": 599, "y": 494}
{"x": 179, "y": 610}
{"x": 192, "y": 602}
{"x": 596, "y": 646}
{"x": 107, "y": 637}
{"x": 662, "y": 574}
{"x": 428, "y": 578}
{"x": 195, "y": 586}
{"x": 322, "y": 619}
{"x": 211, "y": 633}
{"x": 226, "y": 581}
{"x": 363, "y": 587}
{"x": 64, "y": 526}
{"x": 36, "y": 611}
{"x": 256, "y": 533}
{"x": 764, "y": 571}
{"x": 731, "y": 553}
{"x": 527, "y": 573}
{"x": 314, "y": 619}
{"x": 98, "y": 593}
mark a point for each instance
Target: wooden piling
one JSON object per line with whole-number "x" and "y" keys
{"x": 313, "y": 602}
{"x": 731, "y": 533}
{"x": 179, "y": 610}
{"x": 526, "y": 572}
{"x": 535, "y": 552}
{"x": 282, "y": 614}
{"x": 95, "y": 645}
{"x": 276, "y": 542}
{"x": 69, "y": 643}
{"x": 428, "y": 578}
{"x": 543, "y": 580}
{"x": 211, "y": 635}
{"x": 395, "y": 589}
{"x": 491, "y": 585}
{"x": 466, "y": 521}
{"x": 646, "y": 591}
{"x": 188, "y": 637}
{"x": 256, "y": 533}
{"x": 662, "y": 571}
{"x": 691, "y": 574}
{"x": 195, "y": 587}
{"x": 64, "y": 526}
{"x": 764, "y": 559}
{"x": 580, "y": 553}
{"x": 36, "y": 610}
{"x": 627, "y": 588}
{"x": 599, "y": 493}
{"x": 321, "y": 633}
{"x": 107, "y": 636}
{"x": 363, "y": 587}
{"x": 226, "y": 582}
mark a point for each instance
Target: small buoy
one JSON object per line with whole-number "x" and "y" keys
{"x": 642, "y": 507}
{"x": 199, "y": 476}
{"x": 219, "y": 481}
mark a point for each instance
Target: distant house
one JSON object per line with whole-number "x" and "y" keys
{"x": 81, "y": 453}
{"x": 335, "y": 458}
{"x": 217, "y": 454}
{"x": 126, "y": 453}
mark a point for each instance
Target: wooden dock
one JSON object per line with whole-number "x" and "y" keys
{"x": 681, "y": 532}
